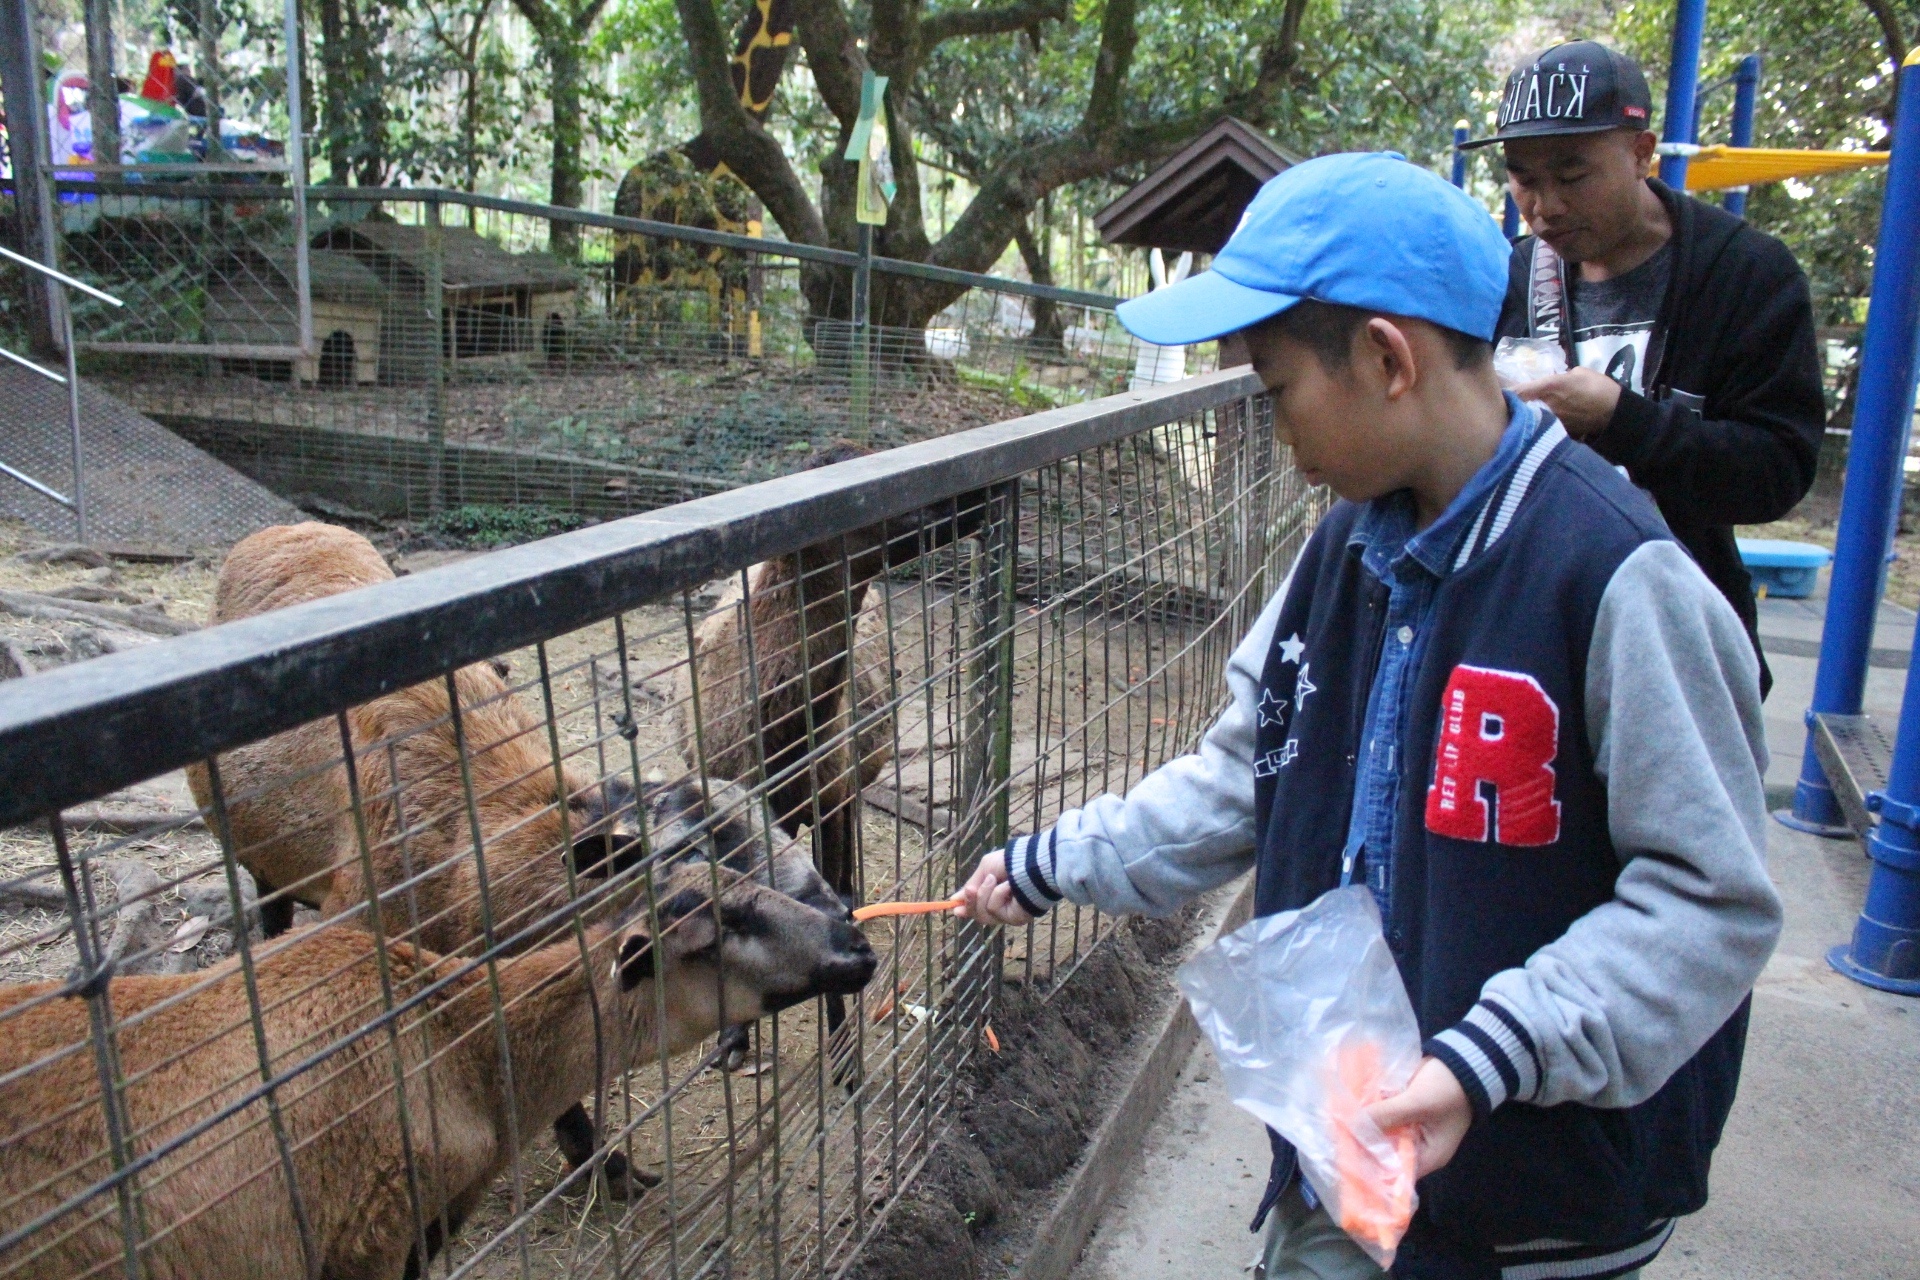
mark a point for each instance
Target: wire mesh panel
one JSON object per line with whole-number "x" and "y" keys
{"x": 455, "y": 357}
{"x": 510, "y": 935}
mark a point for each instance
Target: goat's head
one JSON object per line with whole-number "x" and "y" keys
{"x": 725, "y": 823}
{"x": 605, "y": 822}
{"x": 730, "y": 949}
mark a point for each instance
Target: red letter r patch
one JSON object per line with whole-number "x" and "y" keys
{"x": 1498, "y": 730}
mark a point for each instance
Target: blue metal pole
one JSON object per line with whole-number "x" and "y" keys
{"x": 1460, "y": 135}
{"x": 1683, "y": 81}
{"x": 1510, "y": 219}
{"x": 1746, "y": 85}
{"x": 1885, "y": 401}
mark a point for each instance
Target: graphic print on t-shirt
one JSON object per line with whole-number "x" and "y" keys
{"x": 1617, "y": 350}
{"x": 1613, "y": 320}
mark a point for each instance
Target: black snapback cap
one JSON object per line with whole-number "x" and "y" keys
{"x": 1581, "y": 87}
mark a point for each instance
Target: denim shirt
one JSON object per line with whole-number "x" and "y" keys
{"x": 1411, "y": 565}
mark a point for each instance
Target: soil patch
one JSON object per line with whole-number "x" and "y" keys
{"x": 1024, "y": 1115}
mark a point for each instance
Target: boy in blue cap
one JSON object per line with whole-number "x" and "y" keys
{"x": 1495, "y": 690}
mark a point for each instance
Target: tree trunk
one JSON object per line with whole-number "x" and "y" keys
{"x": 338, "y": 125}
{"x": 369, "y": 84}
{"x": 103, "y": 93}
{"x": 1046, "y": 314}
{"x": 562, "y": 52}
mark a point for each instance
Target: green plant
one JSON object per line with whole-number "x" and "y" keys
{"x": 487, "y": 525}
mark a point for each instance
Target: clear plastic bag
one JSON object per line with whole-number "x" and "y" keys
{"x": 1518, "y": 360}
{"x": 1311, "y": 1025}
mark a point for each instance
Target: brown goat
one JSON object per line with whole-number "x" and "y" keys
{"x": 288, "y": 800}
{"x": 218, "y": 1205}
{"x": 293, "y": 827}
{"x": 804, "y": 615}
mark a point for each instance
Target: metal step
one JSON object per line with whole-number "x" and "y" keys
{"x": 1856, "y": 752}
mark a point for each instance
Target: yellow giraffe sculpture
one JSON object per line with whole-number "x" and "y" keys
{"x": 690, "y": 186}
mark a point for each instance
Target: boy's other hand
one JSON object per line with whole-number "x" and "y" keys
{"x": 1583, "y": 399}
{"x": 987, "y": 897}
{"x": 1435, "y": 1105}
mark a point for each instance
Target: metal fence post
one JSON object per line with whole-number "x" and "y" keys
{"x": 862, "y": 388}
{"x": 27, "y": 141}
{"x": 1885, "y": 951}
{"x": 1746, "y": 85}
{"x": 437, "y": 366}
{"x": 1873, "y": 476}
{"x": 1460, "y": 134}
{"x": 1683, "y": 82}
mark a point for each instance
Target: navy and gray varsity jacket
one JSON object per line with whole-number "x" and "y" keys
{"x": 1580, "y": 905}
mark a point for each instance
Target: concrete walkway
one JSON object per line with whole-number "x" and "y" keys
{"x": 1819, "y": 1171}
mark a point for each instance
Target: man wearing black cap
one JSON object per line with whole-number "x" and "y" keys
{"x": 1687, "y": 335}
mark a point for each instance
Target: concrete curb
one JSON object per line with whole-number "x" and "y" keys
{"x": 1117, "y": 1143}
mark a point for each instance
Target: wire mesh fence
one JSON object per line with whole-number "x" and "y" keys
{"x": 509, "y": 935}
{"x": 431, "y": 350}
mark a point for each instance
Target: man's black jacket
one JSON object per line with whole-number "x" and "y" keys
{"x": 1738, "y": 344}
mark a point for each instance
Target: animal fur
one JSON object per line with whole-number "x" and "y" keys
{"x": 289, "y": 809}
{"x": 758, "y": 703}
{"x": 218, "y": 1208}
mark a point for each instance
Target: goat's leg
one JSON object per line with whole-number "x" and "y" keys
{"x": 276, "y": 909}
{"x": 573, "y": 1131}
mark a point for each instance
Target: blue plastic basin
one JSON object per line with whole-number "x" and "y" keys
{"x": 1788, "y": 569}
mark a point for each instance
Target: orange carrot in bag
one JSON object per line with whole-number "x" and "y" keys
{"x": 1376, "y": 1203}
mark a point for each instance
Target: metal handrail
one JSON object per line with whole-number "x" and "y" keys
{"x": 612, "y": 222}
{"x": 84, "y": 730}
{"x": 61, "y": 276}
{"x": 61, "y": 282}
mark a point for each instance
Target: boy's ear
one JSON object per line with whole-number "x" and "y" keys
{"x": 1387, "y": 346}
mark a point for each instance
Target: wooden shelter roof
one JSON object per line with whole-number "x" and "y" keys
{"x": 468, "y": 260}
{"x": 1194, "y": 200}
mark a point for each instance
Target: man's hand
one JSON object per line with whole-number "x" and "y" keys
{"x": 1583, "y": 399}
{"x": 1435, "y": 1106}
{"x": 987, "y": 897}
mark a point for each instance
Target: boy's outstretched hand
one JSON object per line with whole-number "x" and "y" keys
{"x": 987, "y": 897}
{"x": 1436, "y": 1107}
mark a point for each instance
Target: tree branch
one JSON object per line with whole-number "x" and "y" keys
{"x": 1890, "y": 35}
{"x": 1280, "y": 56}
{"x": 951, "y": 24}
{"x": 712, "y": 69}
{"x": 833, "y": 55}
{"x": 1118, "y": 35}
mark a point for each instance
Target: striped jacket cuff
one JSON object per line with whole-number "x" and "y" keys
{"x": 1492, "y": 1055}
{"x": 1030, "y": 872}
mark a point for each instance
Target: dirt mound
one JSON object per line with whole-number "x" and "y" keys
{"x": 1028, "y": 1109}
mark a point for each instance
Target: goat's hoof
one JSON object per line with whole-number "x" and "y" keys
{"x": 623, "y": 1181}
{"x": 735, "y": 1044}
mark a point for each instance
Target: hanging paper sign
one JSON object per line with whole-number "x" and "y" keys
{"x": 869, "y": 147}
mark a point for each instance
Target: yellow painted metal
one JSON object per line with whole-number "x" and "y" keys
{"x": 1719, "y": 167}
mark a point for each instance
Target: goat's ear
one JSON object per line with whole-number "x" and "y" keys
{"x": 635, "y": 963}
{"x": 605, "y": 853}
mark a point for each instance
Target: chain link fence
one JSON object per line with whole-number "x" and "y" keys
{"x": 431, "y": 350}
{"x": 508, "y": 933}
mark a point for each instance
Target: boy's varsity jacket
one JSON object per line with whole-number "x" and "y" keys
{"x": 1579, "y": 903}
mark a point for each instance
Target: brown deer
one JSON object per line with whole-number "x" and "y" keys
{"x": 293, "y": 827}
{"x": 218, "y": 1204}
{"x": 799, "y": 687}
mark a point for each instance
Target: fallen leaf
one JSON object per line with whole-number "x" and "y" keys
{"x": 188, "y": 935}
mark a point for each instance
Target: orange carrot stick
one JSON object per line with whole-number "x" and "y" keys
{"x": 874, "y": 910}
{"x": 1376, "y": 1203}
{"x": 993, "y": 1041}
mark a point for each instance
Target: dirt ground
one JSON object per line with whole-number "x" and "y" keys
{"x": 731, "y": 419}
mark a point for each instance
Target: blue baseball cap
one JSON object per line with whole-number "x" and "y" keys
{"x": 1362, "y": 229}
